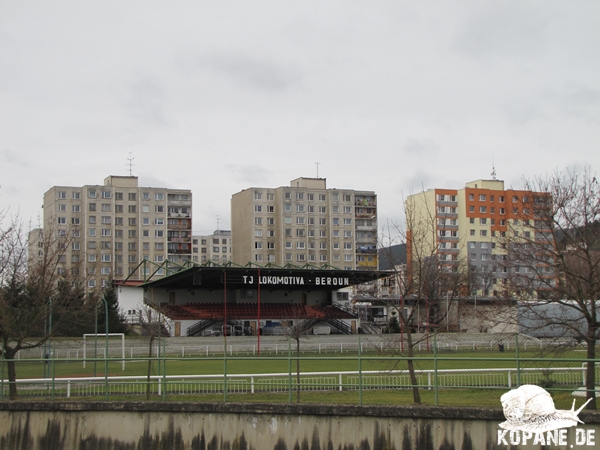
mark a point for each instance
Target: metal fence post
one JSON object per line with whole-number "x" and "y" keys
{"x": 225, "y": 376}
{"x": 435, "y": 370}
{"x": 518, "y": 361}
{"x": 290, "y": 398}
{"x": 360, "y": 379}
{"x": 164, "y": 372}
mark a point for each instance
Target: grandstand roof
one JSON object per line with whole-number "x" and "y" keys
{"x": 307, "y": 279}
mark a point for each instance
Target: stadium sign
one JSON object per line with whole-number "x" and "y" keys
{"x": 295, "y": 281}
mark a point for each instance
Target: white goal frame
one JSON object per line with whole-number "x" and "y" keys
{"x": 105, "y": 336}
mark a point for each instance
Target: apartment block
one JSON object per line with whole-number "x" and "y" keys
{"x": 111, "y": 228}
{"x": 215, "y": 248}
{"x": 472, "y": 226}
{"x": 305, "y": 223}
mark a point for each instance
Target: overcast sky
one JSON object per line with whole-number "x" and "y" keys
{"x": 218, "y": 96}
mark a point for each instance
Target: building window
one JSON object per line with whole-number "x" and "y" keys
{"x": 347, "y": 210}
{"x": 288, "y": 244}
{"x": 482, "y": 209}
{"x": 270, "y": 221}
{"x": 472, "y": 232}
{"x": 347, "y": 258}
{"x": 92, "y": 193}
{"x": 159, "y": 196}
{"x": 483, "y": 233}
{"x": 131, "y": 196}
{"x": 132, "y": 233}
{"x": 347, "y": 245}
{"x": 347, "y": 221}
{"x": 482, "y": 197}
{"x": 299, "y": 195}
{"x": 132, "y": 208}
{"x": 482, "y": 221}
{"x": 300, "y": 220}
{"x": 300, "y": 245}
{"x": 105, "y": 232}
{"x": 471, "y": 196}
{"x": 258, "y": 245}
{"x": 300, "y": 233}
{"x": 271, "y": 245}
{"x": 257, "y": 208}
{"x": 258, "y": 221}
{"x": 105, "y": 258}
{"x": 132, "y": 221}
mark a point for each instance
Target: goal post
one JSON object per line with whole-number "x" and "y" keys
{"x": 105, "y": 336}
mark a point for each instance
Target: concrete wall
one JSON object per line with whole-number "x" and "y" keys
{"x": 229, "y": 426}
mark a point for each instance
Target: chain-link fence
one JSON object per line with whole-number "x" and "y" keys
{"x": 441, "y": 369}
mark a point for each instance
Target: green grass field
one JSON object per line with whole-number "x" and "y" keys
{"x": 385, "y": 389}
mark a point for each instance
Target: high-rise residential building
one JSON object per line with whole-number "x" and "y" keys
{"x": 113, "y": 227}
{"x": 305, "y": 223}
{"x": 473, "y": 226}
{"x": 215, "y": 248}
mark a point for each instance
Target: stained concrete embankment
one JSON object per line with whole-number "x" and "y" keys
{"x": 234, "y": 426}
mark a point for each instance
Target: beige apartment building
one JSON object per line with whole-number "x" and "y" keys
{"x": 111, "y": 228}
{"x": 215, "y": 248}
{"x": 471, "y": 226}
{"x": 305, "y": 223}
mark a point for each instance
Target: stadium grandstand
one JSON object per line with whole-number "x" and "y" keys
{"x": 243, "y": 300}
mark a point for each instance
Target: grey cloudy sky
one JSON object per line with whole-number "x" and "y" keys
{"x": 218, "y": 96}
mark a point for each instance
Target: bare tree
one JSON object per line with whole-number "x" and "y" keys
{"x": 38, "y": 297}
{"x": 432, "y": 278}
{"x": 154, "y": 325}
{"x": 296, "y": 328}
{"x": 553, "y": 259}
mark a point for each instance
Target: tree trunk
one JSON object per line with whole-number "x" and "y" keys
{"x": 411, "y": 368}
{"x": 590, "y": 373}
{"x": 149, "y": 367}
{"x": 12, "y": 376}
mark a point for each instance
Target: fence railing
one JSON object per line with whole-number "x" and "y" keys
{"x": 373, "y": 371}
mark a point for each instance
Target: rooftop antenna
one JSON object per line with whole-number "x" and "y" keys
{"x": 317, "y": 164}
{"x": 130, "y": 159}
{"x": 493, "y": 168}
{"x": 217, "y": 223}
